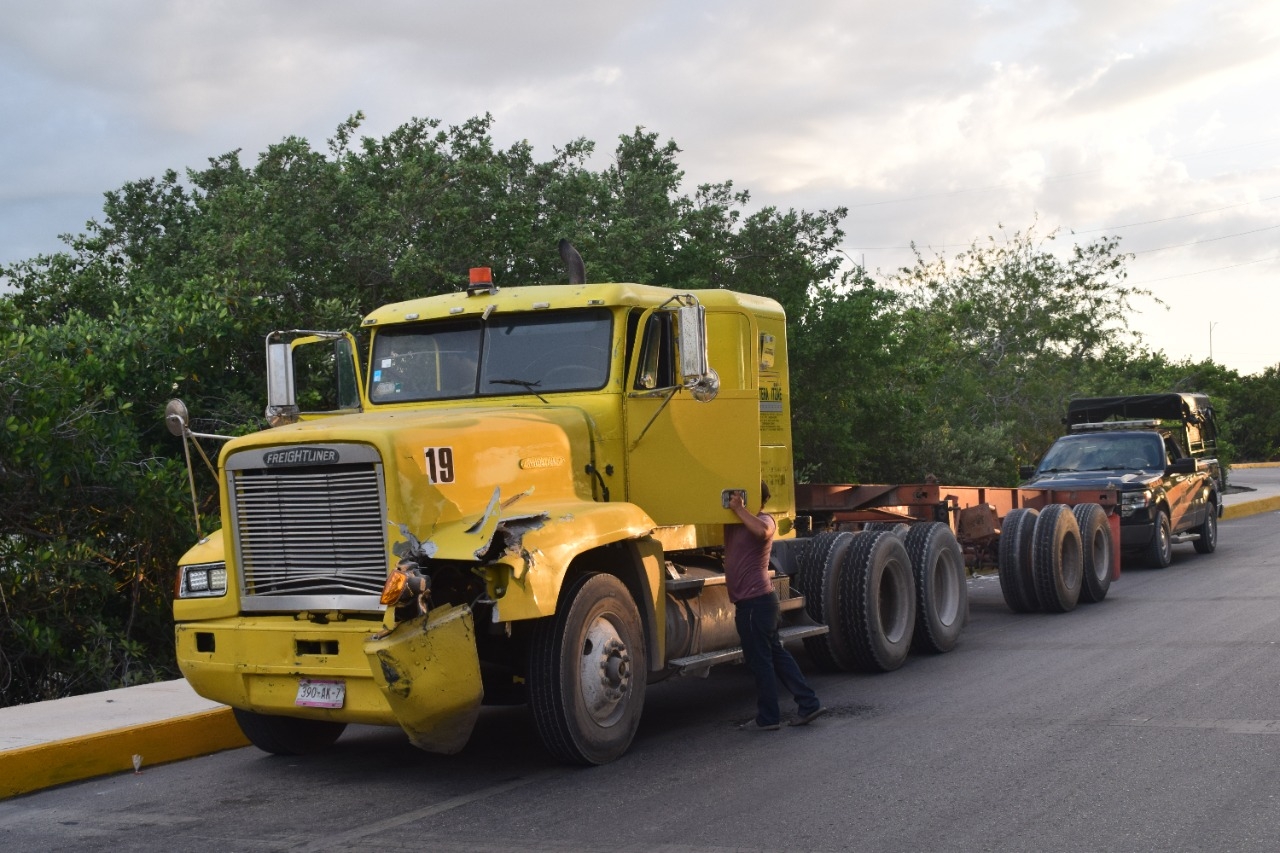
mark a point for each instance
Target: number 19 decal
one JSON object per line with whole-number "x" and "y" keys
{"x": 439, "y": 464}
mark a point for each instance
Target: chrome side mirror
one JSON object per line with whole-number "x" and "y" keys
{"x": 695, "y": 372}
{"x": 282, "y": 399}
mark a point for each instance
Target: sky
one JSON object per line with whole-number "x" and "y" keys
{"x": 935, "y": 122}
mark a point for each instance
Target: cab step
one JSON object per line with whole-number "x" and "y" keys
{"x": 695, "y": 664}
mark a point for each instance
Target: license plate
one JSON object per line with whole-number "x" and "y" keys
{"x": 321, "y": 694}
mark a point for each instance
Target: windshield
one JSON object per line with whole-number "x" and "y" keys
{"x": 516, "y": 354}
{"x": 1104, "y": 452}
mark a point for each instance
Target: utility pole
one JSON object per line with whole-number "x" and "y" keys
{"x": 1211, "y": 325}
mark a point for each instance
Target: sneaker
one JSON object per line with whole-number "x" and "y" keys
{"x": 809, "y": 717}
{"x": 753, "y": 726}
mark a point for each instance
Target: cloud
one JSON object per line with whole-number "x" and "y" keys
{"x": 933, "y": 121}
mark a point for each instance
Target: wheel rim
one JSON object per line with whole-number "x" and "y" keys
{"x": 1072, "y": 562}
{"x": 894, "y": 604}
{"x": 1212, "y": 528}
{"x": 604, "y": 671}
{"x": 947, "y": 589}
{"x": 1165, "y": 545}
{"x": 1101, "y": 556}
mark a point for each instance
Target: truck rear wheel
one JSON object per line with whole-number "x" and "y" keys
{"x": 877, "y": 602}
{"x": 1095, "y": 540}
{"x": 287, "y": 735}
{"x": 1057, "y": 560}
{"x": 942, "y": 593}
{"x": 820, "y": 571}
{"x": 1016, "y": 582}
{"x": 587, "y": 672}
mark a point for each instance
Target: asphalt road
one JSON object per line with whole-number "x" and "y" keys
{"x": 1150, "y": 721}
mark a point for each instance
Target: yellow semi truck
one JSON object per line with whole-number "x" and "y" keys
{"x": 519, "y": 495}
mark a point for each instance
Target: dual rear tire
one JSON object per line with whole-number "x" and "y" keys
{"x": 1053, "y": 559}
{"x": 881, "y": 593}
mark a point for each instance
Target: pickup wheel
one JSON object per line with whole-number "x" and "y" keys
{"x": 942, "y": 592}
{"x": 1159, "y": 552}
{"x": 877, "y": 602}
{"x": 1208, "y": 530}
{"x": 1057, "y": 560}
{"x": 819, "y": 582}
{"x": 1016, "y": 583}
{"x": 287, "y": 735}
{"x": 1095, "y": 543}
{"x": 587, "y": 672}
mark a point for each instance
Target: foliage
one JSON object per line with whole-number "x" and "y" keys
{"x": 957, "y": 368}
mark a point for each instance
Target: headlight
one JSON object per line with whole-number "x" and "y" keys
{"x": 1131, "y": 501}
{"x": 202, "y": 580}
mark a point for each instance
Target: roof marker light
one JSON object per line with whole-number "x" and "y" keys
{"x": 481, "y": 281}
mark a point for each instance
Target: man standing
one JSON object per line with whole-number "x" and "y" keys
{"x": 746, "y": 570}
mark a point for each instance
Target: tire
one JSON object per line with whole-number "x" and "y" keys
{"x": 587, "y": 672}
{"x": 820, "y": 572}
{"x": 942, "y": 591}
{"x": 1095, "y": 545}
{"x": 1208, "y": 530}
{"x": 287, "y": 735}
{"x": 1016, "y": 583}
{"x": 1159, "y": 553}
{"x": 1057, "y": 561}
{"x": 877, "y": 602}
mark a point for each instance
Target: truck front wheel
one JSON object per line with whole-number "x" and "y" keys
{"x": 287, "y": 735}
{"x": 587, "y": 672}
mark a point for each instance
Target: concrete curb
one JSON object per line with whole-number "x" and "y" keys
{"x": 1248, "y": 508}
{"x": 76, "y": 758}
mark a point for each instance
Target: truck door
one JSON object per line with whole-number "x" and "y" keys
{"x": 1184, "y": 491}
{"x": 682, "y": 452}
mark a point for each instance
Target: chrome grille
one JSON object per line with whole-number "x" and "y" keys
{"x": 309, "y": 537}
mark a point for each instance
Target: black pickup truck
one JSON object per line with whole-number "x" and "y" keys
{"x": 1159, "y": 451}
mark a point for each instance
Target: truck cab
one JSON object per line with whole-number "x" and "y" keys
{"x": 517, "y": 494}
{"x": 1159, "y": 452}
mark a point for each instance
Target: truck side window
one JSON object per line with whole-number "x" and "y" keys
{"x": 657, "y": 354}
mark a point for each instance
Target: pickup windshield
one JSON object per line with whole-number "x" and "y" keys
{"x": 1105, "y": 452}
{"x": 519, "y": 354}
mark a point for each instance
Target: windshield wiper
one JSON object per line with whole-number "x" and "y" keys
{"x": 522, "y": 383}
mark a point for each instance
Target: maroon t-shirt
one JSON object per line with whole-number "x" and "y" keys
{"x": 746, "y": 560}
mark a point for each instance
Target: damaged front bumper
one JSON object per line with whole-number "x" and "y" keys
{"x": 429, "y": 673}
{"x": 424, "y": 675}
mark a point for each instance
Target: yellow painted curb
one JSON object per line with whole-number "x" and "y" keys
{"x": 1255, "y": 465}
{"x": 45, "y": 765}
{"x": 1251, "y": 508}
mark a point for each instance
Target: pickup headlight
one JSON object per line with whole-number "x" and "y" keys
{"x": 1131, "y": 501}
{"x": 202, "y": 580}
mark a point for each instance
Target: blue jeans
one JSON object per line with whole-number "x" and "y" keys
{"x": 757, "y": 622}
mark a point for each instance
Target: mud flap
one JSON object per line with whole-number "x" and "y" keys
{"x": 429, "y": 671}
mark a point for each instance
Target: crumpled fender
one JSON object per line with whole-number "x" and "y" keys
{"x": 540, "y": 554}
{"x": 429, "y": 670}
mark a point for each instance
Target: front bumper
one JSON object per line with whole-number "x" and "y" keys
{"x": 423, "y": 676}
